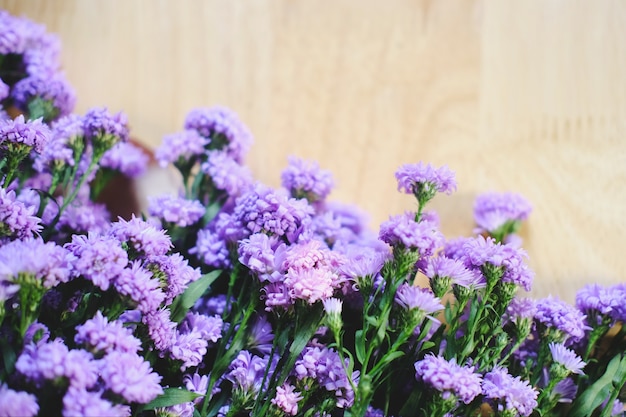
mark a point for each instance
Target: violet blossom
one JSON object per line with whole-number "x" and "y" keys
{"x": 557, "y": 315}
{"x": 22, "y": 135}
{"x": 100, "y": 259}
{"x": 16, "y": 219}
{"x": 402, "y": 230}
{"x": 100, "y": 335}
{"x": 223, "y": 127}
{"x": 130, "y": 376}
{"x": 287, "y": 398}
{"x": 176, "y": 210}
{"x": 425, "y": 179}
{"x": 180, "y": 146}
{"x": 17, "y": 403}
{"x": 226, "y": 173}
{"x": 305, "y": 179}
{"x": 126, "y": 158}
{"x": 507, "y": 392}
{"x": 51, "y": 87}
{"x": 449, "y": 378}
{"x": 494, "y": 210}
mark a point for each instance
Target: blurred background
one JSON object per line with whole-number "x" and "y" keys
{"x": 524, "y": 96}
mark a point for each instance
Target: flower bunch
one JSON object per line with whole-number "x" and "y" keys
{"x": 235, "y": 298}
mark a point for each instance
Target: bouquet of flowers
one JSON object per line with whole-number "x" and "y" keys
{"x": 233, "y": 298}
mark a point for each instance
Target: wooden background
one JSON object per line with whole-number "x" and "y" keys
{"x": 526, "y": 96}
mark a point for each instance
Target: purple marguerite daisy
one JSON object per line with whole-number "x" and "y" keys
{"x": 287, "y": 398}
{"x": 130, "y": 376}
{"x": 263, "y": 209}
{"x": 404, "y": 231}
{"x": 506, "y": 392}
{"x": 560, "y": 316}
{"x": 101, "y": 336}
{"x": 493, "y": 210}
{"x": 182, "y": 145}
{"x": 223, "y": 127}
{"x": 176, "y": 210}
{"x": 100, "y": 259}
{"x": 78, "y": 402}
{"x": 138, "y": 284}
{"x": 126, "y": 158}
{"x": 21, "y": 135}
{"x": 189, "y": 348}
{"x": 17, "y": 403}
{"x": 51, "y": 87}
{"x": 419, "y": 177}
{"x": 449, "y": 378}
{"x": 141, "y": 237}
{"x": 226, "y": 173}
{"x": 16, "y": 219}
{"x": 566, "y": 358}
{"x": 305, "y": 179}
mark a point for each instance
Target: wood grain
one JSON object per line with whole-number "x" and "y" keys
{"x": 513, "y": 96}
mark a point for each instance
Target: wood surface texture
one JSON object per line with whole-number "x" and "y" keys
{"x": 525, "y": 96}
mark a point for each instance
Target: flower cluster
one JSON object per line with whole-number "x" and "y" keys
{"x": 236, "y": 298}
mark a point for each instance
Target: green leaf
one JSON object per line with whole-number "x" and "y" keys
{"x": 170, "y": 396}
{"x": 181, "y": 304}
{"x": 390, "y": 357}
{"x": 359, "y": 345}
{"x": 599, "y": 391}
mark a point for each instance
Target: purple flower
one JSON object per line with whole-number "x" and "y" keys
{"x": 449, "y": 378}
{"x": 176, "y": 210}
{"x": 276, "y": 296}
{"x": 419, "y": 178}
{"x": 17, "y": 403}
{"x": 257, "y": 253}
{"x": 182, "y": 145}
{"x": 208, "y": 327}
{"x": 404, "y": 231}
{"x": 46, "y": 261}
{"x": 363, "y": 261}
{"x": 139, "y": 286}
{"x": 174, "y": 273}
{"x": 261, "y": 336}
{"x": 4, "y": 90}
{"x": 81, "y": 369}
{"x": 79, "y": 402}
{"x": 104, "y": 129}
{"x": 262, "y": 209}
{"x": 128, "y": 375}
{"x": 223, "y": 127}
{"x": 442, "y": 272}
{"x": 287, "y": 399}
{"x": 48, "y": 86}
{"x": 84, "y": 216}
{"x": 101, "y": 336}
{"x": 126, "y": 158}
{"x": 324, "y": 365}
{"x": 246, "y": 372}
{"x": 196, "y": 383}
{"x": 189, "y": 348}
{"x": 141, "y": 237}
{"x": 305, "y": 179}
{"x": 312, "y": 272}
{"x": 18, "y": 133}
{"x": 161, "y": 329}
{"x": 211, "y": 249}
{"x": 17, "y": 219}
{"x": 54, "y": 360}
{"x": 567, "y": 358}
{"x": 607, "y": 301}
{"x": 226, "y": 173}
{"x": 478, "y": 252}
{"x": 558, "y": 315}
{"x": 507, "y": 392}
{"x": 411, "y": 297}
{"x": 520, "y": 309}
{"x": 12, "y": 39}
{"x": 494, "y": 210}
{"x": 100, "y": 259}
